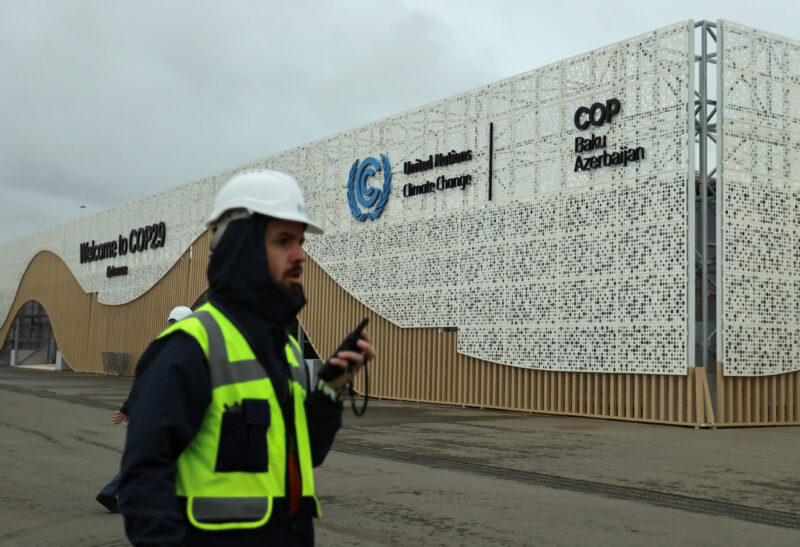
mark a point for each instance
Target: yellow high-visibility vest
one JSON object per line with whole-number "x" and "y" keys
{"x": 235, "y": 467}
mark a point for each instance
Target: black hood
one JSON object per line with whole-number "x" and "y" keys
{"x": 239, "y": 278}
{"x": 243, "y": 289}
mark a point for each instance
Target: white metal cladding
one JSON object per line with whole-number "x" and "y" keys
{"x": 581, "y": 271}
{"x": 183, "y": 209}
{"x": 759, "y": 162}
{"x": 575, "y": 271}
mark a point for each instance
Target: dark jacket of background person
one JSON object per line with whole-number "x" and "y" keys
{"x": 172, "y": 390}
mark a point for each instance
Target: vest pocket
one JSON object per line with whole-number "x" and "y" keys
{"x": 243, "y": 437}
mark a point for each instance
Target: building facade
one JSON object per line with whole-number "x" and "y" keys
{"x": 613, "y": 235}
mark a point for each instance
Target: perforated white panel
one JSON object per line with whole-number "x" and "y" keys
{"x": 561, "y": 270}
{"x": 568, "y": 270}
{"x": 183, "y": 209}
{"x": 759, "y": 156}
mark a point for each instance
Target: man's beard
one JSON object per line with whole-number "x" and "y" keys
{"x": 295, "y": 289}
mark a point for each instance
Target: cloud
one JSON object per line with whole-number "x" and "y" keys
{"x": 105, "y": 102}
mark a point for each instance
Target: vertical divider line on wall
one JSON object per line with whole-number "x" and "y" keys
{"x": 491, "y": 157}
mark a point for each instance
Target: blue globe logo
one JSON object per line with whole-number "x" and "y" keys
{"x": 359, "y": 193}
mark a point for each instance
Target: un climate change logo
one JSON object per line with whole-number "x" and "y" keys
{"x": 357, "y": 188}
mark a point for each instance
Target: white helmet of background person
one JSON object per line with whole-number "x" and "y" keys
{"x": 268, "y": 193}
{"x": 178, "y": 313}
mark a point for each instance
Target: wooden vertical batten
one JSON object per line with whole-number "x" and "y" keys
{"x": 414, "y": 364}
{"x": 412, "y": 360}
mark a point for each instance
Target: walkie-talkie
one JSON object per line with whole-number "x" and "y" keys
{"x": 328, "y": 371}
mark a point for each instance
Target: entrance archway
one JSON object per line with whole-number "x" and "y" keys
{"x": 30, "y": 340}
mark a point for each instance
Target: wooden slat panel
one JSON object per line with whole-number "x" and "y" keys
{"x": 511, "y": 388}
{"x": 725, "y": 404}
{"x": 629, "y": 396}
{"x": 749, "y": 400}
{"x": 698, "y": 387}
{"x": 796, "y": 396}
{"x": 574, "y": 395}
{"x": 498, "y": 382}
{"x": 691, "y": 416}
{"x": 413, "y": 364}
{"x": 554, "y": 391}
{"x": 671, "y": 401}
{"x": 509, "y": 397}
{"x": 706, "y": 394}
{"x": 85, "y": 328}
{"x": 772, "y": 401}
{"x": 729, "y": 398}
{"x": 612, "y": 394}
{"x": 546, "y": 401}
{"x": 559, "y": 392}
{"x": 757, "y": 407}
{"x": 652, "y": 386}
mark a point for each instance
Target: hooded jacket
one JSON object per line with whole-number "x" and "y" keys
{"x": 172, "y": 391}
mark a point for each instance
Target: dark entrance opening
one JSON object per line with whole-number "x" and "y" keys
{"x": 30, "y": 340}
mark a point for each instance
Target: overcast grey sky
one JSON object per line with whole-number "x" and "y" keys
{"x": 105, "y": 102}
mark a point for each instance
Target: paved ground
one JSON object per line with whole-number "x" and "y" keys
{"x": 409, "y": 474}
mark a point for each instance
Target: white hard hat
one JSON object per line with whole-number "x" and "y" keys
{"x": 178, "y": 313}
{"x": 269, "y": 193}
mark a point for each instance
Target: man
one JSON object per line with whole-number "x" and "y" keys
{"x": 224, "y": 428}
{"x": 108, "y": 495}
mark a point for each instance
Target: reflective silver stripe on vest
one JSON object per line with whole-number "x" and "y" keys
{"x": 300, "y": 373}
{"x": 222, "y": 371}
{"x": 212, "y": 510}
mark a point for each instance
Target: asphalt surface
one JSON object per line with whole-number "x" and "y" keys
{"x": 409, "y": 474}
